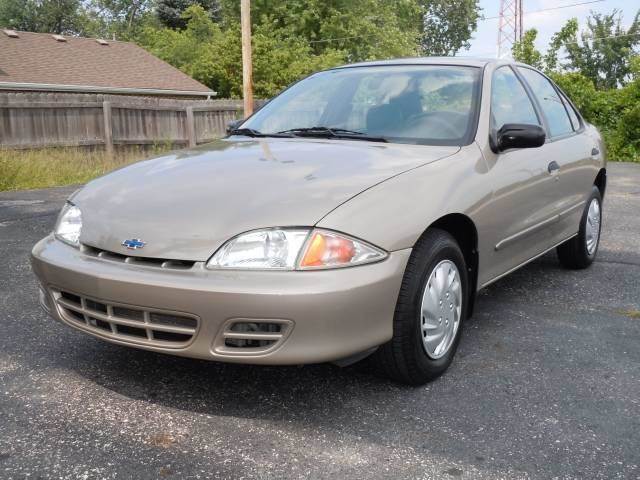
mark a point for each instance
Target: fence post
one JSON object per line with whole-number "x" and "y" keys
{"x": 108, "y": 130}
{"x": 191, "y": 128}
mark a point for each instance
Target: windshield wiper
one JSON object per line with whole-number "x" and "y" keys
{"x": 250, "y": 132}
{"x": 247, "y": 132}
{"x": 331, "y": 132}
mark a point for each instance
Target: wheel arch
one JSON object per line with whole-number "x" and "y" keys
{"x": 601, "y": 181}
{"x": 465, "y": 233}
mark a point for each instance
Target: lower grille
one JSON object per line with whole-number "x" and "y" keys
{"x": 246, "y": 337}
{"x": 127, "y": 323}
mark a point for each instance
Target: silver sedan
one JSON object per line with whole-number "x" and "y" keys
{"x": 357, "y": 213}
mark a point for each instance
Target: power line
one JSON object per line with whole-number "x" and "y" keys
{"x": 587, "y": 39}
{"x": 487, "y": 53}
{"x": 340, "y": 38}
{"x": 548, "y": 9}
{"x": 562, "y": 45}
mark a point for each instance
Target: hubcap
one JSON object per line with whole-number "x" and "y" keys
{"x": 592, "y": 229}
{"x": 441, "y": 309}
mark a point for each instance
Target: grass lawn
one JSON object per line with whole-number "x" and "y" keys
{"x": 51, "y": 167}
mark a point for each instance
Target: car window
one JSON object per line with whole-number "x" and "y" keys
{"x": 425, "y": 104}
{"x": 550, "y": 101}
{"x": 573, "y": 116}
{"x": 444, "y": 94}
{"x": 305, "y": 109}
{"x": 509, "y": 100}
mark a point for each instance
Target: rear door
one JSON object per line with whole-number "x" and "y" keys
{"x": 568, "y": 151}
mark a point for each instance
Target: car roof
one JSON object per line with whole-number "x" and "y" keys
{"x": 462, "y": 61}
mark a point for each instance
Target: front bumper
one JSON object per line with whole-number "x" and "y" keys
{"x": 322, "y": 315}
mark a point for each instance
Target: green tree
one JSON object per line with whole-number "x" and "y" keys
{"x": 45, "y": 16}
{"x": 615, "y": 111}
{"x": 447, "y": 26}
{"x": 169, "y": 12}
{"x": 122, "y": 19}
{"x": 292, "y": 38}
{"x": 525, "y": 50}
{"x": 603, "y": 52}
{"x": 625, "y": 142}
{"x": 363, "y": 29}
{"x": 564, "y": 36}
{"x": 368, "y": 29}
{"x": 213, "y": 56}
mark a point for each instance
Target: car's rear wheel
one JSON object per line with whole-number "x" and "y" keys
{"x": 431, "y": 307}
{"x": 581, "y": 250}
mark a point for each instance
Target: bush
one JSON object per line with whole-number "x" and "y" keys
{"x": 616, "y": 112}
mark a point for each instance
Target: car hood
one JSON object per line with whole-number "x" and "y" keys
{"x": 185, "y": 205}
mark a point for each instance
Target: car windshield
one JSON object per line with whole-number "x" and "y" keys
{"x": 424, "y": 104}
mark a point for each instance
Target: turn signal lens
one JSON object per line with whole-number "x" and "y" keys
{"x": 330, "y": 250}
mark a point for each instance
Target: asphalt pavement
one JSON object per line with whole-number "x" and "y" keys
{"x": 546, "y": 384}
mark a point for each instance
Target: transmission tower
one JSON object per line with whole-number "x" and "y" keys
{"x": 510, "y": 26}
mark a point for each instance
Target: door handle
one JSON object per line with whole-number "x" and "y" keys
{"x": 553, "y": 167}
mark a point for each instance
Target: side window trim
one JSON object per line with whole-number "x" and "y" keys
{"x": 536, "y": 105}
{"x": 560, "y": 95}
{"x": 563, "y": 99}
{"x": 569, "y": 105}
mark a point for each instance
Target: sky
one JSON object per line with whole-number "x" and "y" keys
{"x": 547, "y": 23}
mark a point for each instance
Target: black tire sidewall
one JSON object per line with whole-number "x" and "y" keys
{"x": 431, "y": 258}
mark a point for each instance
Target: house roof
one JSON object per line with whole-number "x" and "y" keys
{"x": 41, "y": 61}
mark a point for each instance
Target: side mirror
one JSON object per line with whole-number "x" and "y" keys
{"x": 519, "y": 135}
{"x": 231, "y": 126}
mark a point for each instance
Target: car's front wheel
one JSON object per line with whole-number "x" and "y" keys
{"x": 431, "y": 307}
{"x": 581, "y": 250}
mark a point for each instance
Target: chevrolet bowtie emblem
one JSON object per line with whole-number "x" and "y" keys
{"x": 133, "y": 244}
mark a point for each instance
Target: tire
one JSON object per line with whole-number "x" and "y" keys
{"x": 580, "y": 251}
{"x": 405, "y": 357}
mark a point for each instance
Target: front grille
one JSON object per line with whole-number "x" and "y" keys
{"x": 127, "y": 323}
{"x": 145, "y": 261}
{"x": 252, "y": 336}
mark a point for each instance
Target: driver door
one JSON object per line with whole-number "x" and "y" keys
{"x": 521, "y": 211}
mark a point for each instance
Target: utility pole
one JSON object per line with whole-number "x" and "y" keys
{"x": 247, "y": 74}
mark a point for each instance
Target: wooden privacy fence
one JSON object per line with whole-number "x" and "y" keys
{"x": 36, "y": 120}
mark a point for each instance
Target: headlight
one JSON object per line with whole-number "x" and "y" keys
{"x": 261, "y": 249}
{"x": 293, "y": 249}
{"x": 69, "y": 225}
